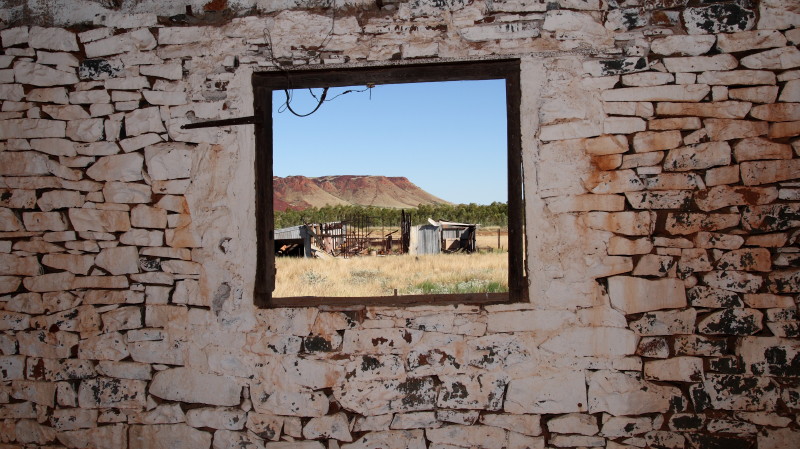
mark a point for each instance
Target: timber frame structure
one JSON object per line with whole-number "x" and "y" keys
{"x": 264, "y": 83}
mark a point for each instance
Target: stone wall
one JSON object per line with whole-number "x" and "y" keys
{"x": 661, "y": 169}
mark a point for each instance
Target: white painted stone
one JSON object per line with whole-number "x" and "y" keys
{"x": 401, "y": 439}
{"x": 656, "y": 141}
{"x": 60, "y": 59}
{"x": 15, "y": 36}
{"x": 334, "y": 426}
{"x": 692, "y": 45}
{"x": 31, "y": 128}
{"x": 99, "y": 220}
{"x": 122, "y": 167}
{"x": 532, "y": 320}
{"x": 27, "y": 163}
{"x": 623, "y": 125}
{"x": 371, "y": 341}
{"x": 57, "y": 39}
{"x": 143, "y": 216}
{"x": 718, "y": 19}
{"x": 124, "y": 318}
{"x": 777, "y": 438}
{"x": 758, "y": 94}
{"x": 647, "y": 79}
{"x": 777, "y": 112}
{"x": 736, "y": 281}
{"x": 514, "y": 30}
{"x": 11, "y": 92}
{"x": 227, "y": 418}
{"x": 558, "y": 392}
{"x": 89, "y": 130}
{"x": 422, "y": 420}
{"x": 699, "y": 156}
{"x": 55, "y": 147}
{"x": 73, "y": 418}
{"x": 669, "y": 322}
{"x": 66, "y": 112}
{"x": 168, "y": 436}
{"x": 791, "y": 91}
{"x": 691, "y": 92}
{"x": 750, "y": 40}
{"x": 142, "y": 237}
{"x": 42, "y": 75}
{"x": 724, "y": 196}
{"x": 104, "y": 392}
{"x": 170, "y": 160}
{"x": 765, "y": 172}
{"x": 9, "y": 221}
{"x": 108, "y": 346}
{"x": 12, "y": 367}
{"x": 627, "y": 223}
{"x": 126, "y": 192}
{"x": 30, "y": 432}
{"x": 171, "y": 71}
{"x": 127, "y": 83}
{"x": 42, "y": 393}
{"x": 481, "y": 392}
{"x": 94, "y": 96}
{"x": 701, "y": 63}
{"x": 304, "y": 404}
{"x": 736, "y": 77}
{"x": 161, "y": 414}
{"x": 74, "y": 263}
{"x": 734, "y": 392}
{"x": 727, "y": 129}
{"x": 585, "y": 203}
{"x": 635, "y": 295}
{"x": 48, "y": 95}
{"x": 119, "y": 260}
{"x": 570, "y": 130}
{"x": 676, "y": 369}
{"x": 592, "y": 342}
{"x": 777, "y": 15}
{"x": 627, "y": 394}
{"x": 524, "y": 424}
{"x": 720, "y": 109}
{"x": 139, "y": 142}
{"x": 468, "y": 436}
{"x": 140, "y": 40}
{"x": 777, "y": 59}
{"x": 124, "y": 370}
{"x": 187, "y": 385}
{"x": 165, "y": 98}
{"x": 44, "y": 221}
{"x": 97, "y": 148}
{"x": 619, "y": 426}
{"x": 641, "y": 109}
{"x": 141, "y": 121}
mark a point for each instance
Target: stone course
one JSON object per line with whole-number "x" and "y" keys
{"x": 662, "y": 187}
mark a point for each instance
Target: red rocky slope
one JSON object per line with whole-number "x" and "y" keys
{"x": 300, "y": 192}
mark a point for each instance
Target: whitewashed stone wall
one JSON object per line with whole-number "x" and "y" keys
{"x": 662, "y": 177}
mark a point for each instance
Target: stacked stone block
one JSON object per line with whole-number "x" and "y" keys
{"x": 661, "y": 168}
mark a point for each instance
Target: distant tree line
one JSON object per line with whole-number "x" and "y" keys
{"x": 495, "y": 214}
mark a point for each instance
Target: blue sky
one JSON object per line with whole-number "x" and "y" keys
{"x": 447, "y": 138}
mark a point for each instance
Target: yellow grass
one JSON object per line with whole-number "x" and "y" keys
{"x": 487, "y": 239}
{"x": 380, "y": 276}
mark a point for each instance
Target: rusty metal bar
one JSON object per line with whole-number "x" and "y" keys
{"x": 252, "y": 120}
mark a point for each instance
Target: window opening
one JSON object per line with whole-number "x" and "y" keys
{"x": 374, "y": 235}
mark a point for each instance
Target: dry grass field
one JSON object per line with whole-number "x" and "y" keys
{"x": 487, "y": 239}
{"x": 380, "y": 276}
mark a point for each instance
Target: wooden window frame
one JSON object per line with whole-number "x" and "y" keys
{"x": 264, "y": 83}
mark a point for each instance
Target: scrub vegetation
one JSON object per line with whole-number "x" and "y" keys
{"x": 485, "y": 272}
